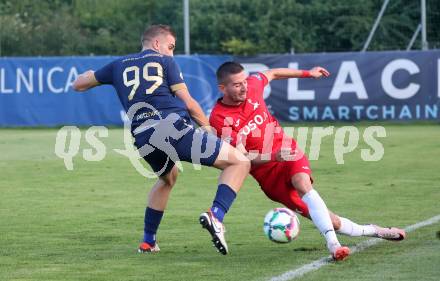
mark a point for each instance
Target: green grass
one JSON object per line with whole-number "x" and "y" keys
{"x": 85, "y": 224}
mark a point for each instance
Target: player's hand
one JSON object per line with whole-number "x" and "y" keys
{"x": 208, "y": 129}
{"x": 318, "y": 72}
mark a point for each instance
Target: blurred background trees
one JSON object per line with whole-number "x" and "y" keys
{"x": 239, "y": 27}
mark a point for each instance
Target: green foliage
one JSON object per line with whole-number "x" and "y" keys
{"x": 239, "y": 27}
{"x": 32, "y": 28}
{"x": 238, "y": 47}
{"x": 338, "y": 25}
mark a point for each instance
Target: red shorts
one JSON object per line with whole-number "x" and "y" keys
{"x": 275, "y": 179}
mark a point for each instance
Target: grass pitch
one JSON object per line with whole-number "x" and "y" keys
{"x": 85, "y": 224}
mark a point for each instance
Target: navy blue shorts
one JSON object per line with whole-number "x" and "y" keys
{"x": 163, "y": 142}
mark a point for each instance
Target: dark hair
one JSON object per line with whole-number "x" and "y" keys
{"x": 156, "y": 30}
{"x": 226, "y": 69}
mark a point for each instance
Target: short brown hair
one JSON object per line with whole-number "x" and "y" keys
{"x": 155, "y": 30}
{"x": 227, "y": 69}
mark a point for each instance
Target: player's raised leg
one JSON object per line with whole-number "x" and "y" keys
{"x": 235, "y": 168}
{"x": 319, "y": 214}
{"x": 157, "y": 201}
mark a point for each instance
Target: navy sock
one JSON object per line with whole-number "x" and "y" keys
{"x": 152, "y": 220}
{"x": 222, "y": 201}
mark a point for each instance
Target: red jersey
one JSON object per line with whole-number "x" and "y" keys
{"x": 250, "y": 123}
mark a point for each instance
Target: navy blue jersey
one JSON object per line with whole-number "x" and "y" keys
{"x": 147, "y": 77}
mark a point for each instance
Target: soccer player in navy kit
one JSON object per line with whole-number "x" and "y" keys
{"x": 151, "y": 89}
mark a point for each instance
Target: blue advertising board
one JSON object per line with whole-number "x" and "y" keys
{"x": 362, "y": 86}
{"x": 38, "y": 91}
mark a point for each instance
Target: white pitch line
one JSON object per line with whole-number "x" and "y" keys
{"x": 292, "y": 274}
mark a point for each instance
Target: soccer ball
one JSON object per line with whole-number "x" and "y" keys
{"x": 281, "y": 225}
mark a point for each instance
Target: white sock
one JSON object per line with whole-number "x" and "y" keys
{"x": 353, "y": 229}
{"x": 320, "y": 217}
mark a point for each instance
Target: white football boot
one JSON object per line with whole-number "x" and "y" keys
{"x": 217, "y": 231}
{"x": 389, "y": 233}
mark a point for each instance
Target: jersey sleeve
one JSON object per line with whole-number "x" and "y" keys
{"x": 174, "y": 75}
{"x": 223, "y": 127}
{"x": 104, "y": 75}
{"x": 257, "y": 81}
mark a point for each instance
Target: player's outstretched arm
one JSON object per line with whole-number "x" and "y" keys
{"x": 85, "y": 81}
{"x": 285, "y": 73}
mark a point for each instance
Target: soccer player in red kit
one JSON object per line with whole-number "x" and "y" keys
{"x": 279, "y": 166}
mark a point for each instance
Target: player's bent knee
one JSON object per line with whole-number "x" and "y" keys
{"x": 229, "y": 156}
{"x": 336, "y": 221}
{"x": 238, "y": 158}
{"x": 243, "y": 164}
{"x": 302, "y": 183}
{"x": 336, "y": 224}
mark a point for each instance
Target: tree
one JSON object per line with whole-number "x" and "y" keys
{"x": 238, "y": 27}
